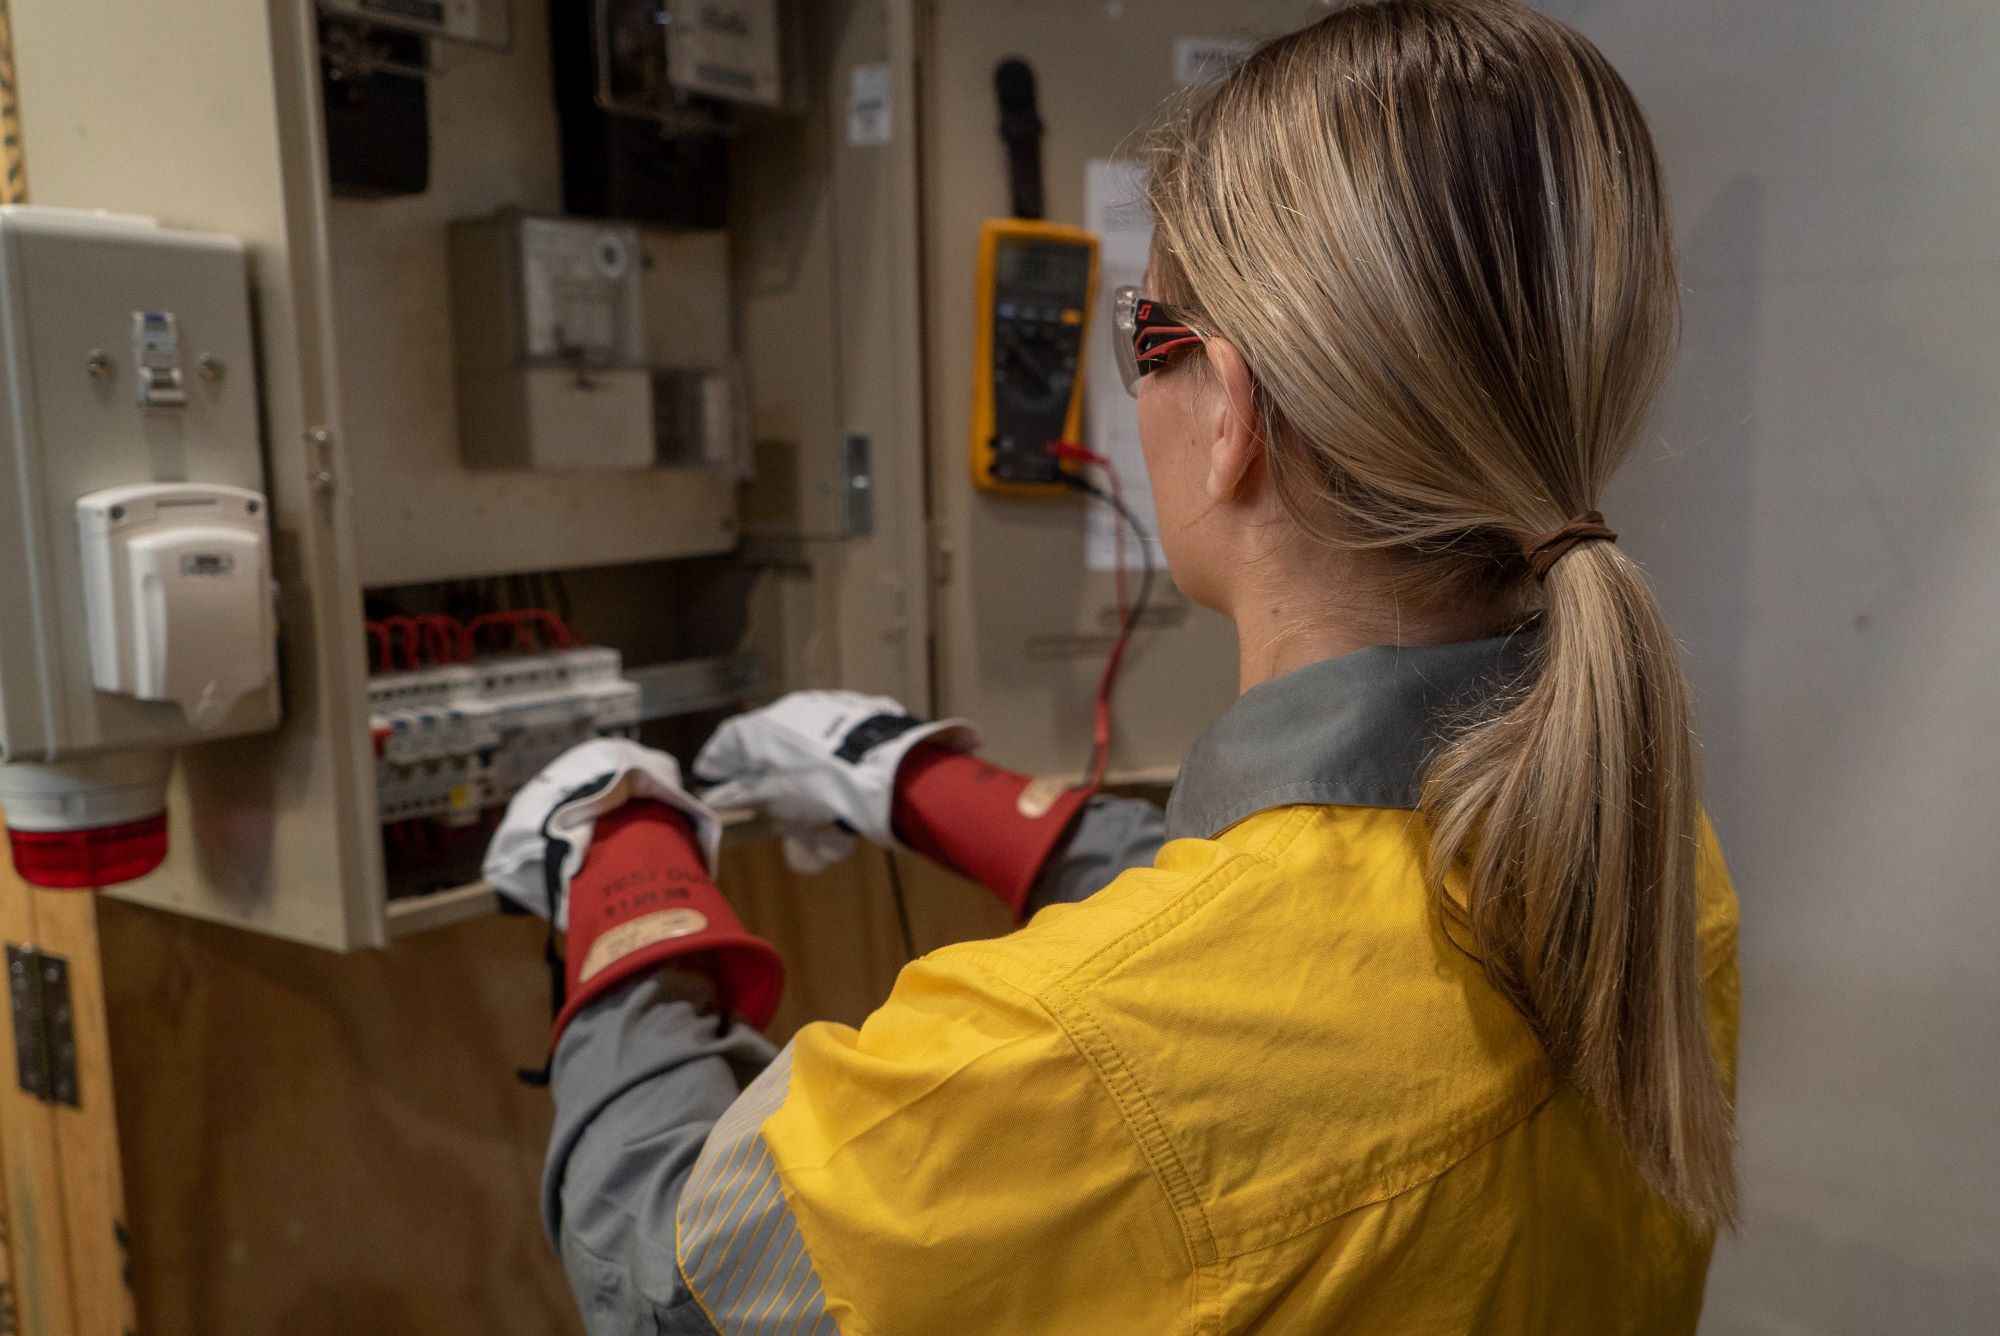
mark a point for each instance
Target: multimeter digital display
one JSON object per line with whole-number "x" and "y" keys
{"x": 1036, "y": 284}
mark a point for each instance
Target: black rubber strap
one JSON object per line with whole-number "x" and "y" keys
{"x": 1021, "y": 131}
{"x": 871, "y": 733}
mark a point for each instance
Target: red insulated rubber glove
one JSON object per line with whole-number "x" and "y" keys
{"x": 982, "y": 822}
{"x": 643, "y": 899}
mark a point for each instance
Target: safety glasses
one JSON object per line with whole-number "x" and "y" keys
{"x": 1145, "y": 335}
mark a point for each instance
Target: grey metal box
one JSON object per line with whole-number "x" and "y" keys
{"x": 74, "y": 287}
{"x": 550, "y": 343}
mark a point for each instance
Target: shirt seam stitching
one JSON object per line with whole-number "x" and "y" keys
{"x": 1146, "y": 1125}
{"x": 1197, "y": 1254}
{"x": 1156, "y": 1142}
{"x": 1185, "y": 903}
{"x": 1513, "y": 1115}
{"x": 1263, "y": 851}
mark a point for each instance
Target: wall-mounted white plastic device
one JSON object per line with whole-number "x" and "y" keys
{"x": 177, "y": 584}
{"x": 135, "y": 571}
{"x": 550, "y": 337}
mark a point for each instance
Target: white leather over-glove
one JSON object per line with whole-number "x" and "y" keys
{"x": 543, "y": 838}
{"x": 822, "y": 765}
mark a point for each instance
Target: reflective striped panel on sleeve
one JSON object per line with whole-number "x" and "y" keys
{"x": 739, "y": 1249}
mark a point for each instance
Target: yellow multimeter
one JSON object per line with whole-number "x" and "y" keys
{"x": 1036, "y": 284}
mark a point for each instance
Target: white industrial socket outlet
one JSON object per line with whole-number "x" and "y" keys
{"x": 177, "y": 590}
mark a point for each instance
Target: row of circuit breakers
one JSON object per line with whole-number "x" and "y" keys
{"x": 455, "y": 740}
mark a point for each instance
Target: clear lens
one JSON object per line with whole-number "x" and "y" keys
{"x": 1124, "y": 335}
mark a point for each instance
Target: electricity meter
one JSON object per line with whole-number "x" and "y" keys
{"x": 480, "y": 22}
{"x": 551, "y": 344}
{"x": 653, "y": 55}
{"x": 726, "y": 49}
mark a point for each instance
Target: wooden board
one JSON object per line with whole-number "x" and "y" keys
{"x": 64, "y": 1192}
{"x": 37, "y": 1246}
{"x": 86, "y": 1136}
{"x": 320, "y": 1145}
{"x": 13, "y": 190}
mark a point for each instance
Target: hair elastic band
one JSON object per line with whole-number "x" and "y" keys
{"x": 1554, "y": 545}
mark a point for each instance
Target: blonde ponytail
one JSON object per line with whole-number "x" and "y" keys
{"x": 1436, "y": 231}
{"x": 1573, "y": 814}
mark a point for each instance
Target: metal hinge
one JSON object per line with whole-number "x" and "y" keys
{"x": 44, "y": 1024}
{"x": 319, "y": 466}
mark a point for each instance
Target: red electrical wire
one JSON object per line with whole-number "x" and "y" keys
{"x": 442, "y": 637}
{"x": 403, "y": 633}
{"x": 484, "y": 622}
{"x": 549, "y": 630}
{"x": 1078, "y": 454}
{"x": 1100, "y": 730}
{"x": 558, "y": 630}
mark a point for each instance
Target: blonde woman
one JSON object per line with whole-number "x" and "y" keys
{"x": 1415, "y": 1010}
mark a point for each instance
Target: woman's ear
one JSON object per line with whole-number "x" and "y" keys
{"x": 1230, "y": 421}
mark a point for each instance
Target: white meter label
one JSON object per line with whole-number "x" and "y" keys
{"x": 868, "y": 117}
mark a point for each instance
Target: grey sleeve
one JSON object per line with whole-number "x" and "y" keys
{"x": 640, "y": 1078}
{"x": 1110, "y": 835}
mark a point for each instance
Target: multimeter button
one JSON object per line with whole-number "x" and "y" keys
{"x": 1006, "y": 310}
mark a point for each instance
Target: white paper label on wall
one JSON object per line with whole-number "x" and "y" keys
{"x": 868, "y": 118}
{"x": 1197, "y": 60}
{"x": 1114, "y": 205}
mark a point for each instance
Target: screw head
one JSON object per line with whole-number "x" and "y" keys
{"x": 209, "y": 367}
{"x": 99, "y": 364}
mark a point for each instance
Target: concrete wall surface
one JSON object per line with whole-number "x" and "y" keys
{"x": 1820, "y": 505}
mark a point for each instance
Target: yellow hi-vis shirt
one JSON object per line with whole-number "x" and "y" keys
{"x": 1252, "y": 1087}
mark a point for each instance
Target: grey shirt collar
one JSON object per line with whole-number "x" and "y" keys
{"x": 1356, "y": 731}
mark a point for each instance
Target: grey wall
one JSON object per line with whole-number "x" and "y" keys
{"x": 1821, "y": 507}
